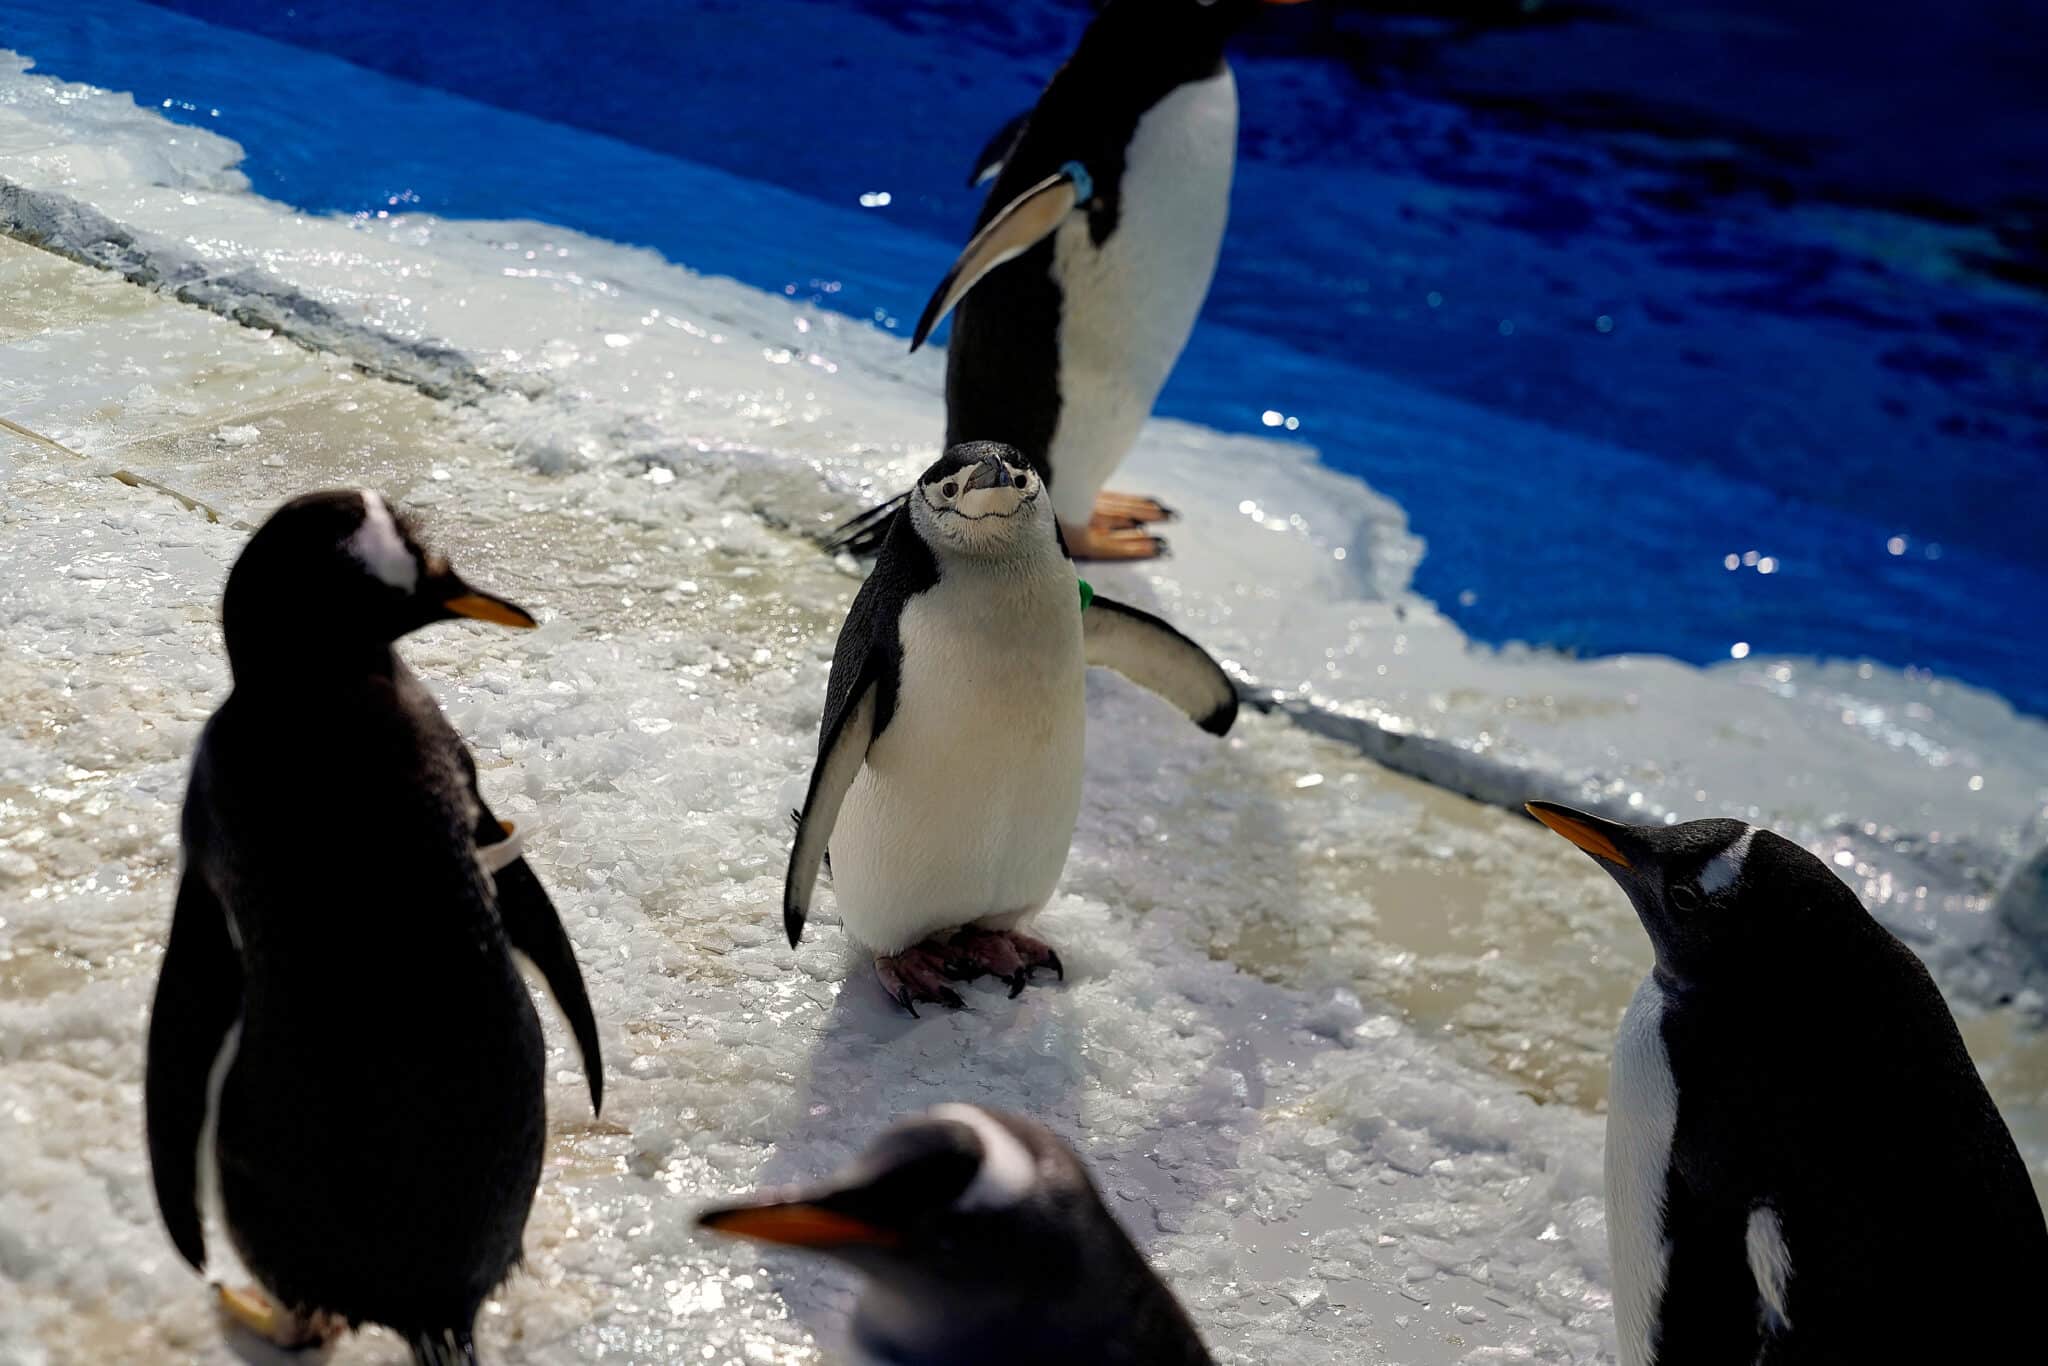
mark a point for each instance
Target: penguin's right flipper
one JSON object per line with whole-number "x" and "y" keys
{"x": 1023, "y": 223}
{"x": 535, "y": 929}
{"x": 1153, "y": 655}
{"x": 198, "y": 999}
{"x": 989, "y": 163}
{"x": 841, "y": 752}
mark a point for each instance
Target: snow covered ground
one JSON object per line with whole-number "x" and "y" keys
{"x": 1332, "y": 1036}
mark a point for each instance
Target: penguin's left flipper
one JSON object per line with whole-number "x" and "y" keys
{"x": 1153, "y": 655}
{"x": 198, "y": 999}
{"x": 536, "y": 930}
{"x": 996, "y": 151}
{"x": 1024, "y": 222}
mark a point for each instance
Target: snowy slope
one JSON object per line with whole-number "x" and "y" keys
{"x": 1311, "y": 1005}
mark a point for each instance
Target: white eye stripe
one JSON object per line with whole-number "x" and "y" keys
{"x": 381, "y": 549}
{"x": 1725, "y": 867}
{"x": 1008, "y": 1171}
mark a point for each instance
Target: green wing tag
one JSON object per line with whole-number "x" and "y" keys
{"x": 1087, "y": 593}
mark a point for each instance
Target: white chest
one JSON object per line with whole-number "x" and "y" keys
{"x": 1130, "y": 304}
{"x": 1642, "y": 1114}
{"x": 966, "y": 806}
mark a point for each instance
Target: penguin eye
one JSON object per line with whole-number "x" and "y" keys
{"x": 1685, "y": 898}
{"x": 949, "y": 488}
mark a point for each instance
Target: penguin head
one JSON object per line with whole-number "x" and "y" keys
{"x": 334, "y": 574}
{"x": 952, "y": 1206}
{"x": 982, "y": 498}
{"x": 1721, "y": 900}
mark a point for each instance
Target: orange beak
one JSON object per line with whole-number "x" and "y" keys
{"x": 1578, "y": 827}
{"x": 796, "y": 1224}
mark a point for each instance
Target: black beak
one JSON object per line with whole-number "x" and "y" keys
{"x": 989, "y": 473}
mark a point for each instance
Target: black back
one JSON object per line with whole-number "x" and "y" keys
{"x": 1827, "y": 1080}
{"x": 381, "y": 1127}
{"x": 381, "y": 1124}
{"x": 1002, "y": 366}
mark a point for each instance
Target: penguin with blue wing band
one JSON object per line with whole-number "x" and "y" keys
{"x": 1090, "y": 260}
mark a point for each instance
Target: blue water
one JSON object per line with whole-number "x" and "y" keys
{"x": 1594, "y": 343}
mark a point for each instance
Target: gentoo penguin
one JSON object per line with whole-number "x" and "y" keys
{"x": 339, "y": 993}
{"x": 1802, "y": 1164}
{"x": 982, "y": 1240}
{"x": 948, "y": 775}
{"x": 1090, "y": 260}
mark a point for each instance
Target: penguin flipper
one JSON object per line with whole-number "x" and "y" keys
{"x": 841, "y": 752}
{"x": 988, "y": 163}
{"x": 1153, "y": 655}
{"x": 1712, "y": 1296}
{"x": 863, "y": 534}
{"x": 535, "y": 929}
{"x": 198, "y": 999}
{"x": 1023, "y": 223}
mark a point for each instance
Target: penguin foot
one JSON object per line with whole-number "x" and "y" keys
{"x": 1000, "y": 953}
{"x": 1113, "y": 510}
{"x": 280, "y": 1327}
{"x": 917, "y": 974}
{"x": 1127, "y": 542}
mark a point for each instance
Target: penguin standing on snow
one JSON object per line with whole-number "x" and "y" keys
{"x": 1802, "y": 1164}
{"x": 339, "y": 990}
{"x": 948, "y": 776}
{"x": 983, "y": 1241}
{"x": 1090, "y": 260}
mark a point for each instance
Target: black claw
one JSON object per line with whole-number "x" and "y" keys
{"x": 1017, "y": 982}
{"x": 902, "y": 998}
{"x": 1052, "y": 960}
{"x": 952, "y": 998}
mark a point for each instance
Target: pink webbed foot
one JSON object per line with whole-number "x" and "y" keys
{"x": 1007, "y": 954}
{"x": 917, "y": 974}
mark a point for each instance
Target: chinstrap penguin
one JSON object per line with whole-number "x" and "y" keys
{"x": 1090, "y": 260}
{"x": 1802, "y": 1163}
{"x": 948, "y": 775}
{"x": 339, "y": 993}
{"x": 981, "y": 1239}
